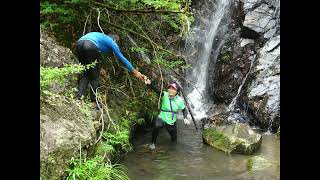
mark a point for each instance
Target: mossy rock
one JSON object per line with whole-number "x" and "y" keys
{"x": 63, "y": 125}
{"x": 235, "y": 138}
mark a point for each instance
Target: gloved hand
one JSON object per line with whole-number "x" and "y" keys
{"x": 145, "y": 79}
{"x": 186, "y": 121}
{"x": 142, "y": 77}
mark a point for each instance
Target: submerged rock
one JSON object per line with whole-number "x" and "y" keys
{"x": 259, "y": 163}
{"x": 235, "y": 138}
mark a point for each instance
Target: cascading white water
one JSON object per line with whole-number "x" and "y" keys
{"x": 204, "y": 38}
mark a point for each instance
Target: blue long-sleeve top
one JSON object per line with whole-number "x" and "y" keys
{"x": 106, "y": 44}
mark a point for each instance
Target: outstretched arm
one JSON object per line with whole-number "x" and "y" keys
{"x": 129, "y": 66}
{"x": 124, "y": 61}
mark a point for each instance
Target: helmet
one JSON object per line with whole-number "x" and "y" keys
{"x": 175, "y": 85}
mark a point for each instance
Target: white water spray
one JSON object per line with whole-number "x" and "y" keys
{"x": 199, "y": 73}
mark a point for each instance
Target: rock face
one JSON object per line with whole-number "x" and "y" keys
{"x": 260, "y": 19}
{"x": 264, "y": 91}
{"x": 235, "y": 138}
{"x": 52, "y": 54}
{"x": 250, "y": 59}
{"x": 63, "y": 130}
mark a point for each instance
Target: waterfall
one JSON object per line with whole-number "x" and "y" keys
{"x": 204, "y": 36}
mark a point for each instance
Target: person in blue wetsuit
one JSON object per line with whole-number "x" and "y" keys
{"x": 89, "y": 49}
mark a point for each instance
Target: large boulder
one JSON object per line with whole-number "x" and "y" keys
{"x": 64, "y": 129}
{"x": 54, "y": 55}
{"x": 234, "y": 138}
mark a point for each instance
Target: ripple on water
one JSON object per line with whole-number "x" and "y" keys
{"x": 189, "y": 158}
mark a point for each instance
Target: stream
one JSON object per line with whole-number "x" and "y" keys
{"x": 190, "y": 158}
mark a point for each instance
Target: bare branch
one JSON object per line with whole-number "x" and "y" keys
{"x": 143, "y": 36}
{"x": 99, "y": 20}
{"x": 101, "y": 116}
{"x": 85, "y": 24}
{"x": 119, "y": 91}
{"x": 161, "y": 86}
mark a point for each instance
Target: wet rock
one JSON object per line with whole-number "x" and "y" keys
{"x": 217, "y": 109}
{"x": 231, "y": 67}
{"x": 63, "y": 130}
{"x": 264, "y": 90}
{"x": 54, "y": 55}
{"x": 213, "y": 121}
{"x": 278, "y": 133}
{"x": 256, "y": 39}
{"x": 95, "y": 114}
{"x": 256, "y": 163}
{"x": 270, "y": 33}
{"x": 249, "y": 4}
{"x": 245, "y": 42}
{"x": 261, "y": 19}
{"x": 235, "y": 138}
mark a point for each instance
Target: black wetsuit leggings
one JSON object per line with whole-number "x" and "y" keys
{"x": 172, "y": 129}
{"x": 87, "y": 53}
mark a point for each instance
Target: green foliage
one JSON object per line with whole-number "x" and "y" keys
{"x": 169, "y": 64}
{"x": 139, "y": 49}
{"x": 51, "y": 75}
{"x": 166, "y": 4}
{"x": 171, "y": 21}
{"x": 147, "y": 4}
{"x": 64, "y": 18}
{"x": 140, "y": 109}
{"x": 133, "y": 117}
{"x": 105, "y": 148}
{"x": 85, "y": 109}
{"x": 175, "y": 63}
{"x": 95, "y": 169}
{"x": 119, "y": 140}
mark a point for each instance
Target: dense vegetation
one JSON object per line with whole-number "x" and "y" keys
{"x": 149, "y": 31}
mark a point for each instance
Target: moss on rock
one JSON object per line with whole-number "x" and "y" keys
{"x": 236, "y": 138}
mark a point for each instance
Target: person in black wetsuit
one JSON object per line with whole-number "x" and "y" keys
{"x": 89, "y": 49}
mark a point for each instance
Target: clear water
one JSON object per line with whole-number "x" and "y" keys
{"x": 190, "y": 159}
